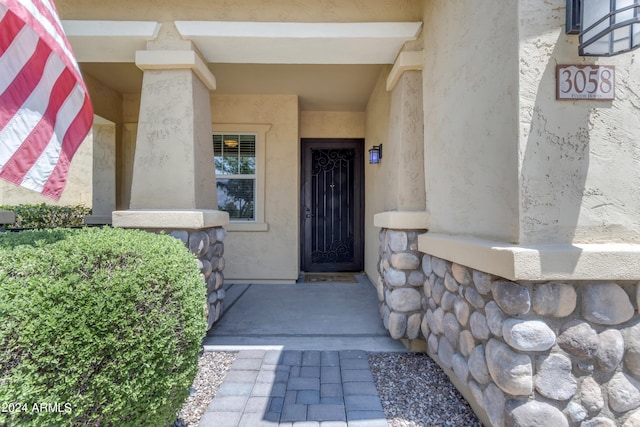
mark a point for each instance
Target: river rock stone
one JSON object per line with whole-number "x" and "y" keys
{"x": 579, "y": 339}
{"x": 591, "y": 395}
{"x": 493, "y": 401}
{"x": 432, "y": 344}
{"x": 405, "y": 261}
{"x": 495, "y": 318}
{"x": 405, "y": 300}
{"x": 554, "y": 299}
{"x": 447, "y": 301}
{"x": 632, "y": 355}
{"x": 606, "y": 304}
{"x": 482, "y": 281}
{"x": 397, "y": 240}
{"x": 536, "y": 414}
{"x": 445, "y": 352}
{"x": 461, "y": 310}
{"x": 413, "y": 325}
{"x": 528, "y": 335}
{"x": 426, "y": 265}
{"x": 511, "y": 371}
{"x": 474, "y": 298}
{"x": 424, "y": 327}
{"x": 575, "y": 412}
{"x": 415, "y": 278}
{"x": 461, "y": 274}
{"x": 181, "y": 235}
{"x": 599, "y": 422}
{"x": 554, "y": 378}
{"x": 439, "y": 266}
{"x": 450, "y": 283}
{"x": 460, "y": 367}
{"x": 624, "y": 393}
{"x": 633, "y": 420}
{"x": 435, "y": 321}
{"x": 199, "y": 243}
{"x": 451, "y": 328}
{"x": 397, "y": 325}
{"x": 610, "y": 350}
{"x": 426, "y": 288}
{"x": 478, "y": 365}
{"x": 437, "y": 289}
{"x": 512, "y": 298}
{"x": 478, "y": 325}
{"x": 466, "y": 343}
{"x": 395, "y": 278}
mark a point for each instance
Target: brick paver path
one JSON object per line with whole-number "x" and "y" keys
{"x": 302, "y": 388}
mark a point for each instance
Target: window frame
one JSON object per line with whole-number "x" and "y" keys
{"x": 260, "y": 132}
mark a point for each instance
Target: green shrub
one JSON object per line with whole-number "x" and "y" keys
{"x": 97, "y": 327}
{"x": 47, "y": 216}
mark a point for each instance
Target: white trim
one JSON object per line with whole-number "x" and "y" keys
{"x": 109, "y": 41}
{"x": 260, "y": 131}
{"x": 606, "y": 261}
{"x": 406, "y": 61}
{"x": 299, "y": 42}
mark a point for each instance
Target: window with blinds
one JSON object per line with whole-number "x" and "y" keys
{"x": 235, "y": 162}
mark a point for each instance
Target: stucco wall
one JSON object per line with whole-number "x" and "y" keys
{"x": 251, "y": 10}
{"x": 272, "y": 254}
{"x": 332, "y": 124}
{"x": 578, "y": 160}
{"x": 470, "y": 82}
{"x": 376, "y": 184}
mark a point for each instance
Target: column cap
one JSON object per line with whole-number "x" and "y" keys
{"x": 176, "y": 60}
{"x": 190, "y": 219}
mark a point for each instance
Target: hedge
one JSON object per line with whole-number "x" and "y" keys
{"x": 47, "y": 216}
{"x": 99, "y": 327}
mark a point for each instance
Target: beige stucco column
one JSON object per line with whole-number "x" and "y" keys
{"x": 103, "y": 172}
{"x": 173, "y": 163}
{"x": 405, "y": 148}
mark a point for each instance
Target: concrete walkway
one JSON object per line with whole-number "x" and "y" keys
{"x": 302, "y": 357}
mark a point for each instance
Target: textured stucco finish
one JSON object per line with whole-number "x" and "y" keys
{"x": 174, "y": 134}
{"x": 250, "y": 10}
{"x": 471, "y": 117}
{"x": 332, "y": 124}
{"x": 170, "y": 219}
{"x": 273, "y": 254}
{"x": 578, "y": 160}
{"x": 377, "y": 131}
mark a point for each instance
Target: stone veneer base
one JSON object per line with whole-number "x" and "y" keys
{"x": 535, "y": 353}
{"x": 203, "y": 234}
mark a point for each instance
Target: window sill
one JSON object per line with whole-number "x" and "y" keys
{"x": 247, "y": 226}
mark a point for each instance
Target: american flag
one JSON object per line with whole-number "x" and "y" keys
{"x": 45, "y": 112}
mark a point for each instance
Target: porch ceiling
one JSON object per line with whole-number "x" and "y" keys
{"x": 330, "y": 66}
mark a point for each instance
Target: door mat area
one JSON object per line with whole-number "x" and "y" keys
{"x": 329, "y": 277}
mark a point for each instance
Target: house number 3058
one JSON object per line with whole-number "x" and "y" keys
{"x": 575, "y": 82}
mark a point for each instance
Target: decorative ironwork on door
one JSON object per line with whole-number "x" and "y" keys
{"x": 332, "y": 205}
{"x": 332, "y": 196}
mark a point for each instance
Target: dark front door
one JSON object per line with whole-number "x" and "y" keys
{"x": 332, "y": 205}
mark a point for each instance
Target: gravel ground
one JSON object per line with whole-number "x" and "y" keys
{"x": 213, "y": 369}
{"x": 413, "y": 390}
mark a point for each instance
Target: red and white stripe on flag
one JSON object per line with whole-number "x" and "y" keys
{"x": 45, "y": 112}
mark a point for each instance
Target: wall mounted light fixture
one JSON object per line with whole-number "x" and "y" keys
{"x": 375, "y": 154}
{"x": 606, "y": 27}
